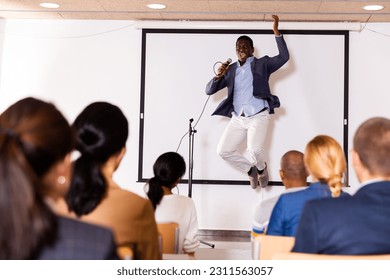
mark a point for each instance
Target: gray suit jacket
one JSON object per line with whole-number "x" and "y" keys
{"x": 262, "y": 68}
{"x": 80, "y": 241}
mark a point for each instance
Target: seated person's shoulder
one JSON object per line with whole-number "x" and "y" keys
{"x": 179, "y": 200}
{"x": 127, "y": 202}
{"x": 291, "y": 195}
{"x": 271, "y": 200}
{"x": 185, "y": 198}
{"x": 80, "y": 240}
{"x": 322, "y": 204}
{"x": 72, "y": 225}
{"x": 344, "y": 194}
{"x": 126, "y": 195}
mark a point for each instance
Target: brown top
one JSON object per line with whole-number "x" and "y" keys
{"x": 131, "y": 218}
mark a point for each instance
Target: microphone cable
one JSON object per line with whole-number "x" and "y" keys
{"x": 215, "y": 72}
{"x": 229, "y": 60}
{"x": 200, "y": 116}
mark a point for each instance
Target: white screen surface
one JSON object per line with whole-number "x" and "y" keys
{"x": 177, "y": 67}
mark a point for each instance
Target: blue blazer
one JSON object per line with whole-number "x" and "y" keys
{"x": 80, "y": 241}
{"x": 287, "y": 211}
{"x": 262, "y": 68}
{"x": 355, "y": 225}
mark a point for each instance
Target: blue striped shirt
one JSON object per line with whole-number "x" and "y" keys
{"x": 243, "y": 99}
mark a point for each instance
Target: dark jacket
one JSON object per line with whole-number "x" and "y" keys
{"x": 355, "y": 225}
{"x": 80, "y": 241}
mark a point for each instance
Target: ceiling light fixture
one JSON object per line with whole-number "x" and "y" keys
{"x": 373, "y": 7}
{"x": 156, "y": 6}
{"x": 49, "y": 5}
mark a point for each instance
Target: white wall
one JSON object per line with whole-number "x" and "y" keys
{"x": 73, "y": 63}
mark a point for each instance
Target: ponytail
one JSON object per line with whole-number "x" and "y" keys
{"x": 34, "y": 136}
{"x": 335, "y": 184}
{"x": 101, "y": 132}
{"x": 88, "y": 186}
{"x": 325, "y": 160}
{"x": 27, "y": 223}
{"x": 155, "y": 192}
{"x": 168, "y": 169}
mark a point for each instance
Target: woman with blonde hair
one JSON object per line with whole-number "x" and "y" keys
{"x": 325, "y": 161}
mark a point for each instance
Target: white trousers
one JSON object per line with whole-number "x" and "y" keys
{"x": 253, "y": 130}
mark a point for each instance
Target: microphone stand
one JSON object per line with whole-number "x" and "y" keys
{"x": 191, "y": 135}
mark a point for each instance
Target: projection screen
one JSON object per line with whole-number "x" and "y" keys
{"x": 176, "y": 66}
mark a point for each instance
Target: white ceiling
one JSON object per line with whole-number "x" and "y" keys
{"x": 199, "y": 10}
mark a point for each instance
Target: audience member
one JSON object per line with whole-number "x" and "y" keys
{"x": 35, "y": 168}
{"x": 294, "y": 177}
{"x": 355, "y": 225}
{"x": 168, "y": 170}
{"x": 101, "y": 135}
{"x": 325, "y": 162}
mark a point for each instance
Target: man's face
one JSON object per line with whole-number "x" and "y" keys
{"x": 243, "y": 50}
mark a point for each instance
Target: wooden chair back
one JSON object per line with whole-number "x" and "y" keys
{"x": 126, "y": 252}
{"x": 168, "y": 237}
{"x": 265, "y": 246}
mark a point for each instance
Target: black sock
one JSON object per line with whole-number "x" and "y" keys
{"x": 260, "y": 171}
{"x": 250, "y": 171}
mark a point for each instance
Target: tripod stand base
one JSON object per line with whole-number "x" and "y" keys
{"x": 207, "y": 243}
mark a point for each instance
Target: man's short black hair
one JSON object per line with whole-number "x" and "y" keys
{"x": 247, "y": 38}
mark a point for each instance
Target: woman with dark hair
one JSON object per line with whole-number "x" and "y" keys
{"x": 168, "y": 170}
{"x": 35, "y": 169}
{"x": 101, "y": 135}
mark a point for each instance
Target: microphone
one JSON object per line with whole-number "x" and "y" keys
{"x": 228, "y": 61}
{"x": 226, "y": 64}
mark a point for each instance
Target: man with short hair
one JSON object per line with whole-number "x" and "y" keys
{"x": 294, "y": 177}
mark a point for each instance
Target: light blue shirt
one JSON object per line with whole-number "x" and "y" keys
{"x": 243, "y": 99}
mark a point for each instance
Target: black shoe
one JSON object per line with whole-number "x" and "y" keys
{"x": 263, "y": 177}
{"x": 254, "y": 177}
